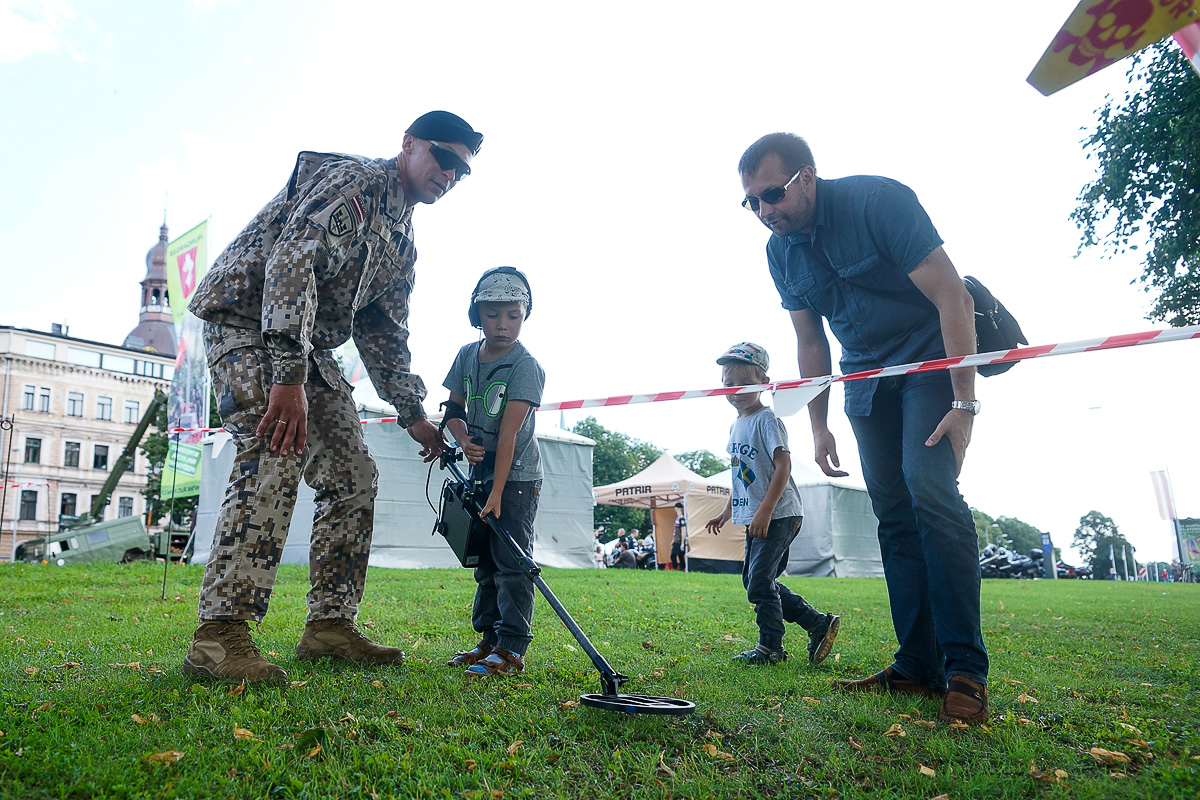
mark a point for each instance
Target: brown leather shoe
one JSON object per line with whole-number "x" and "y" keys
{"x": 341, "y": 638}
{"x": 887, "y": 681}
{"x": 965, "y": 702}
{"x": 223, "y": 650}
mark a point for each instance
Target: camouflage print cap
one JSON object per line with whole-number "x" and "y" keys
{"x": 746, "y": 353}
{"x": 501, "y": 287}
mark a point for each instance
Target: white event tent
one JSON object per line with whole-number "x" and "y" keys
{"x": 403, "y": 518}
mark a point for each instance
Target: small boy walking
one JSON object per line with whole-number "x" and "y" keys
{"x": 765, "y": 499}
{"x": 495, "y": 386}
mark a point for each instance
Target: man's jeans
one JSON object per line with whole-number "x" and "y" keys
{"x": 765, "y": 560}
{"x": 503, "y": 610}
{"x": 926, "y": 532}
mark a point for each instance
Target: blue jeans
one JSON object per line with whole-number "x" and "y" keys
{"x": 503, "y": 610}
{"x": 926, "y": 533}
{"x": 765, "y": 560}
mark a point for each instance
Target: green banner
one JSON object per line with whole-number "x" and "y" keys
{"x": 187, "y": 262}
{"x": 181, "y": 472}
{"x": 1189, "y": 540}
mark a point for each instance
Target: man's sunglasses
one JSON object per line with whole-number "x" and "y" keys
{"x": 448, "y": 159}
{"x": 770, "y": 196}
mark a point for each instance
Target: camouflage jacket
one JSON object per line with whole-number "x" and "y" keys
{"x": 330, "y": 257}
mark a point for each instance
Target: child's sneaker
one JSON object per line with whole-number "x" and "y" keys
{"x": 820, "y": 638}
{"x": 761, "y": 655}
{"x": 498, "y": 662}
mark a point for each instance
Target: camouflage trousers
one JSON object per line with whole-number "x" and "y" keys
{"x": 253, "y": 522}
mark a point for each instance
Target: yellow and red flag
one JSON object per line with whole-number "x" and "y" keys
{"x": 1102, "y": 32}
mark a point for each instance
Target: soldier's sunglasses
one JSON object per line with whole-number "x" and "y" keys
{"x": 448, "y": 159}
{"x": 770, "y": 196}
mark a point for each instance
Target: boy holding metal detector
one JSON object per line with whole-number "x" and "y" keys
{"x": 495, "y": 386}
{"x": 766, "y": 501}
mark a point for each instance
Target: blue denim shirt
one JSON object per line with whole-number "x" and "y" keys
{"x": 869, "y": 233}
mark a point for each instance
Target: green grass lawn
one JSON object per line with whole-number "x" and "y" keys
{"x": 90, "y": 657}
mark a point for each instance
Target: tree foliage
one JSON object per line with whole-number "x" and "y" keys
{"x": 615, "y": 458}
{"x": 1093, "y": 538}
{"x": 703, "y": 462}
{"x": 1148, "y": 187}
{"x": 1018, "y": 536}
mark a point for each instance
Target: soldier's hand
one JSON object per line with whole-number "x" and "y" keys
{"x": 286, "y": 419}
{"x": 426, "y": 434}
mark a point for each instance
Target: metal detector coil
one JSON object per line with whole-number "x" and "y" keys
{"x": 460, "y": 523}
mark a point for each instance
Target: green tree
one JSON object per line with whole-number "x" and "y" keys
{"x": 1093, "y": 538}
{"x": 1148, "y": 186}
{"x": 615, "y": 458}
{"x": 1018, "y": 536}
{"x": 703, "y": 462}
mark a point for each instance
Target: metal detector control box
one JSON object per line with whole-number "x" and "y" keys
{"x": 467, "y": 537}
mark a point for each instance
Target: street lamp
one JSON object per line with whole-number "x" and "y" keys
{"x": 988, "y": 532}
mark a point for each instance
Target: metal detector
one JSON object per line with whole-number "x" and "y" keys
{"x": 459, "y": 522}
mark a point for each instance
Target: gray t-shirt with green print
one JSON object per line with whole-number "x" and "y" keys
{"x": 488, "y": 386}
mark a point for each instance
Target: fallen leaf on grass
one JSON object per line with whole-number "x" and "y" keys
{"x": 470, "y": 764}
{"x": 242, "y": 733}
{"x": 1001, "y": 605}
{"x": 239, "y": 689}
{"x": 959, "y": 726}
{"x": 32, "y": 670}
{"x": 941, "y": 797}
{"x": 1139, "y": 743}
{"x": 567, "y": 705}
{"x": 377, "y": 684}
{"x": 895, "y": 730}
{"x": 165, "y": 757}
{"x": 854, "y": 743}
{"x": 1109, "y": 756}
{"x": 1129, "y": 728}
{"x": 297, "y": 684}
{"x": 512, "y": 748}
{"x": 316, "y": 751}
{"x": 905, "y": 717}
{"x": 1024, "y": 697}
{"x": 662, "y": 765}
{"x": 522, "y": 685}
{"x": 46, "y": 706}
{"x": 812, "y": 701}
{"x": 711, "y": 750}
{"x": 926, "y": 771}
{"x": 139, "y": 719}
{"x": 927, "y": 723}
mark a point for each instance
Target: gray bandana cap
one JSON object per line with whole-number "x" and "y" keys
{"x": 746, "y": 353}
{"x": 501, "y": 287}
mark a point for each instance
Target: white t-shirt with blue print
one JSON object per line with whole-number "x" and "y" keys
{"x": 753, "y": 441}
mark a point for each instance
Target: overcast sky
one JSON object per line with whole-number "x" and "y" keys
{"x": 609, "y": 176}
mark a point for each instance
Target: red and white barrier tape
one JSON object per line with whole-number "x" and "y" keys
{"x": 957, "y": 362}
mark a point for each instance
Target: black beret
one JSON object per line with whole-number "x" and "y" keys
{"x": 442, "y": 126}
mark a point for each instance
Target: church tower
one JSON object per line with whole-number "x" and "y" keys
{"x": 155, "y": 331}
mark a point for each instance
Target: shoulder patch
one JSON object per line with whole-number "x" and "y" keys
{"x": 343, "y": 217}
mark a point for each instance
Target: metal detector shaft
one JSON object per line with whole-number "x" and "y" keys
{"x": 609, "y": 677}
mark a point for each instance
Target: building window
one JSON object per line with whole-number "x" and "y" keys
{"x": 67, "y": 508}
{"x": 27, "y": 399}
{"x": 39, "y": 349}
{"x": 44, "y": 400}
{"x": 124, "y": 506}
{"x": 74, "y": 404}
{"x": 71, "y": 454}
{"x": 33, "y": 451}
{"x": 28, "y": 504}
{"x": 103, "y": 408}
{"x": 132, "y": 412}
{"x": 92, "y": 505}
{"x": 100, "y": 457}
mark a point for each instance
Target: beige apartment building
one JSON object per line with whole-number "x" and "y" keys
{"x": 73, "y": 405}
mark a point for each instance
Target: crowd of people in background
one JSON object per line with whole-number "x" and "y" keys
{"x": 625, "y": 551}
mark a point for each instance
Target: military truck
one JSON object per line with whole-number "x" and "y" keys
{"x": 81, "y": 540}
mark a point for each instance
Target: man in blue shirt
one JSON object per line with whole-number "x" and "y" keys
{"x": 862, "y": 253}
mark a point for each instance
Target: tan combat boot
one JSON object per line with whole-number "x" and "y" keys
{"x": 223, "y": 650}
{"x": 341, "y": 638}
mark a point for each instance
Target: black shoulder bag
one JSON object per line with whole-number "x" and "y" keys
{"x": 995, "y": 327}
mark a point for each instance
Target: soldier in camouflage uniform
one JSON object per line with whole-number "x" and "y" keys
{"x": 330, "y": 257}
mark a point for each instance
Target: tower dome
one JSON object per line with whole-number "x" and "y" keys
{"x": 155, "y": 331}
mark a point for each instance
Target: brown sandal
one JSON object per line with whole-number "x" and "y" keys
{"x": 508, "y": 664}
{"x": 465, "y": 658}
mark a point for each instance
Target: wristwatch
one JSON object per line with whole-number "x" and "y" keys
{"x": 967, "y": 405}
